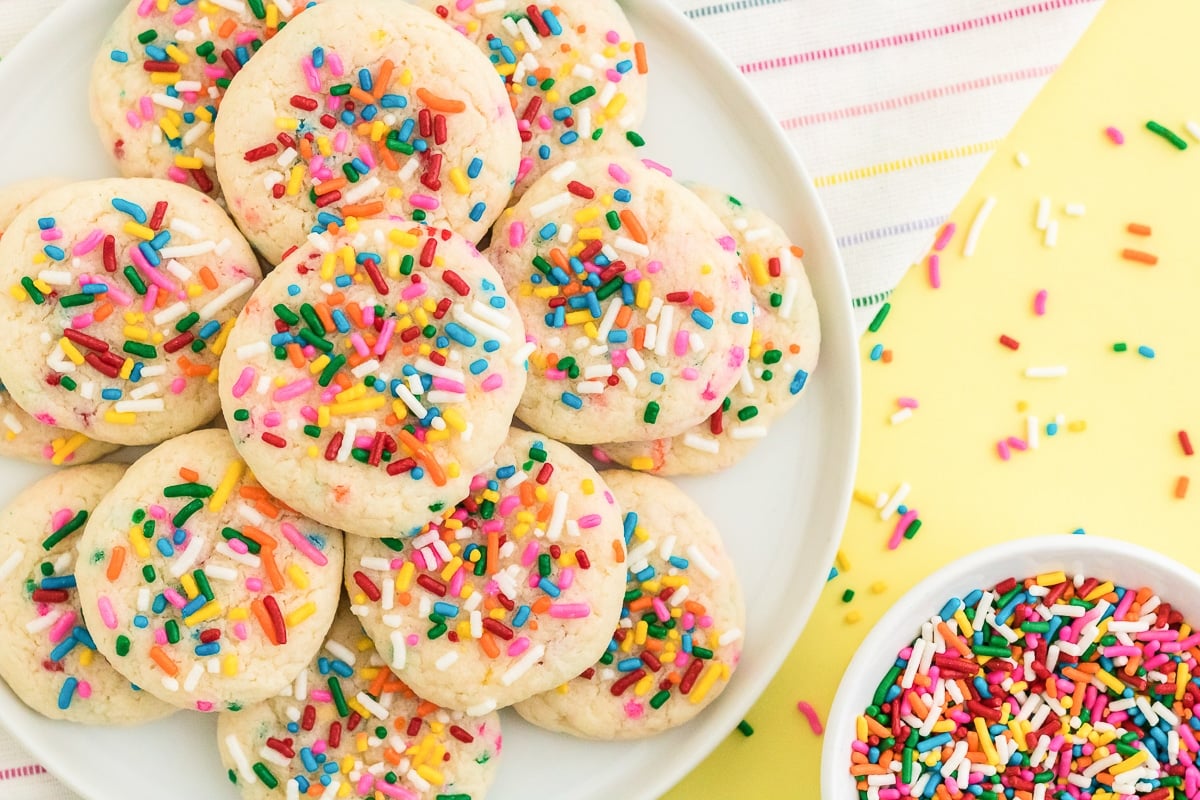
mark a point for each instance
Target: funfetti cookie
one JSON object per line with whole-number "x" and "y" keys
{"x": 510, "y": 593}
{"x": 638, "y": 308}
{"x": 365, "y": 108}
{"x": 22, "y": 436}
{"x": 783, "y": 352}
{"x": 373, "y": 374}
{"x": 199, "y": 586}
{"x": 575, "y": 73}
{"x": 159, "y": 78}
{"x": 48, "y": 658}
{"x": 680, "y": 635}
{"x": 118, "y": 297}
{"x": 349, "y": 728}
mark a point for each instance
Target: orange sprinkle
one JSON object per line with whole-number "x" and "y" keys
{"x": 1138, "y": 229}
{"x": 493, "y": 550}
{"x": 193, "y": 370}
{"x": 703, "y": 301}
{"x": 634, "y": 226}
{"x": 295, "y": 354}
{"x": 623, "y": 316}
{"x": 798, "y": 252}
{"x": 354, "y": 312}
{"x": 361, "y": 96}
{"x": 1181, "y": 487}
{"x": 527, "y": 496}
{"x": 325, "y": 317}
{"x": 541, "y": 605}
{"x": 260, "y": 537}
{"x": 115, "y": 563}
{"x": 264, "y": 619}
{"x": 227, "y": 28}
{"x": 208, "y": 279}
{"x": 424, "y": 457}
{"x": 389, "y": 160}
{"x": 425, "y": 709}
{"x": 640, "y": 603}
{"x": 619, "y": 552}
{"x": 383, "y": 78}
{"x": 102, "y": 311}
{"x": 559, "y": 258}
{"x": 639, "y": 52}
{"x": 306, "y": 150}
{"x": 363, "y": 209}
{"x": 443, "y": 104}
{"x": 886, "y": 357}
{"x": 376, "y": 688}
{"x": 639, "y": 337}
{"x": 487, "y": 643}
{"x": 333, "y": 184}
{"x": 1139, "y": 256}
{"x": 164, "y": 662}
{"x": 189, "y": 475}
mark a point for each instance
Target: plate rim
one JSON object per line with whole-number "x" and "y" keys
{"x": 837, "y": 324}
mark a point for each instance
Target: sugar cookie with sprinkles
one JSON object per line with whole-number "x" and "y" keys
{"x": 21, "y": 435}
{"x": 639, "y": 311}
{"x": 121, "y": 293}
{"x": 783, "y": 352}
{"x": 680, "y": 635}
{"x": 349, "y": 728}
{"x": 575, "y": 72}
{"x": 509, "y": 594}
{"x": 373, "y": 373}
{"x": 49, "y": 659}
{"x": 159, "y": 78}
{"x": 365, "y": 108}
{"x": 198, "y": 585}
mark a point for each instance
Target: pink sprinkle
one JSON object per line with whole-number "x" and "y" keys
{"x": 492, "y": 382}
{"x": 727, "y": 243}
{"x": 612, "y": 37}
{"x": 566, "y": 578}
{"x": 150, "y": 299}
{"x": 310, "y": 75}
{"x": 340, "y": 140}
{"x": 134, "y": 121}
{"x": 681, "y": 342}
{"x": 395, "y": 791}
{"x": 360, "y": 346}
{"x": 106, "y": 613}
{"x": 60, "y": 629}
{"x": 457, "y": 581}
{"x": 810, "y": 714}
{"x": 309, "y": 413}
{"x": 654, "y": 266}
{"x": 60, "y": 518}
{"x": 944, "y": 237}
{"x": 1115, "y": 135}
{"x": 238, "y": 546}
{"x": 1039, "y": 303}
{"x": 660, "y": 608}
{"x": 524, "y": 168}
{"x": 423, "y": 201}
{"x": 302, "y": 543}
{"x": 935, "y": 271}
{"x": 146, "y": 107}
{"x": 52, "y": 235}
{"x": 335, "y": 64}
{"x": 178, "y": 385}
{"x": 655, "y": 165}
{"x": 1002, "y": 449}
{"x": 246, "y": 36}
{"x": 368, "y": 316}
{"x": 244, "y": 381}
{"x": 571, "y": 610}
{"x": 901, "y": 528}
{"x": 364, "y": 153}
{"x": 158, "y": 512}
{"x": 293, "y": 389}
{"x": 530, "y": 554}
{"x": 364, "y": 784}
{"x": 184, "y": 16}
{"x": 145, "y": 7}
{"x": 447, "y": 385}
{"x": 119, "y": 297}
{"x": 516, "y": 234}
{"x": 177, "y": 174}
{"x": 204, "y": 705}
{"x": 272, "y": 419}
{"x": 518, "y": 647}
{"x": 618, "y": 173}
{"x": 85, "y": 689}
{"x": 160, "y": 637}
{"x": 89, "y": 244}
{"x": 907, "y": 402}
{"x": 589, "y": 520}
{"x": 463, "y": 5}
{"x": 239, "y": 630}
{"x": 544, "y": 122}
{"x": 690, "y": 373}
{"x": 1017, "y": 443}
{"x": 412, "y": 640}
{"x": 254, "y": 584}
{"x": 634, "y": 709}
{"x": 174, "y": 597}
{"x": 385, "y": 337}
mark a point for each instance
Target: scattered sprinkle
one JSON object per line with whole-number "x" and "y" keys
{"x": 1167, "y": 134}
{"x": 745, "y": 728}
{"x": 1139, "y": 256}
{"x": 1115, "y": 135}
{"x": 976, "y": 229}
{"x": 810, "y": 714}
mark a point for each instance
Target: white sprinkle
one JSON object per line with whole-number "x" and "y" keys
{"x": 226, "y": 297}
{"x": 193, "y": 678}
{"x": 550, "y": 205}
{"x": 196, "y": 133}
{"x": 701, "y": 561}
{"x": 897, "y": 498}
{"x": 903, "y": 415}
{"x": 666, "y": 319}
{"x": 143, "y": 598}
{"x": 178, "y": 270}
{"x": 442, "y": 397}
{"x": 729, "y": 637}
{"x": 399, "y": 651}
{"x": 370, "y": 704}
{"x": 340, "y": 651}
{"x": 248, "y": 351}
{"x": 977, "y": 224}
{"x": 239, "y": 759}
{"x": 479, "y": 327}
{"x": 1051, "y": 237}
{"x": 702, "y": 443}
{"x": 791, "y": 288}
{"x": 11, "y": 563}
{"x": 626, "y": 375}
{"x": 186, "y": 227}
{"x": 606, "y": 324}
{"x": 493, "y": 315}
{"x": 563, "y": 170}
{"x": 635, "y": 359}
{"x": 365, "y": 368}
{"x": 557, "y": 517}
{"x": 522, "y": 665}
{"x": 174, "y": 312}
{"x": 590, "y": 387}
{"x": 1074, "y": 209}
{"x": 166, "y": 101}
{"x": 628, "y": 245}
{"x": 656, "y": 306}
{"x": 274, "y": 756}
{"x": 188, "y": 557}
{"x": 1022, "y": 160}
{"x": 742, "y": 432}
{"x": 361, "y": 190}
{"x": 13, "y": 424}
{"x": 1031, "y": 432}
{"x": 1043, "y": 213}
{"x": 487, "y": 7}
{"x": 155, "y": 371}
{"x": 246, "y": 559}
{"x": 137, "y": 406}
{"x": 1046, "y": 372}
{"x": 523, "y": 353}
{"x": 1193, "y": 129}
{"x": 55, "y": 277}
{"x": 446, "y": 661}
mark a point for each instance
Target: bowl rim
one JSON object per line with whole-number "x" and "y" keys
{"x": 1057, "y": 551}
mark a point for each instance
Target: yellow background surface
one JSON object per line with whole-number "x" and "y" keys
{"x": 1117, "y": 477}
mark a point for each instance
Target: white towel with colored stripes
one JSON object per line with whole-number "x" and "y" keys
{"x": 894, "y": 105}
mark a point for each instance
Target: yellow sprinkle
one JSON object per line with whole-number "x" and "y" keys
{"x": 459, "y": 178}
{"x": 120, "y": 418}
{"x": 985, "y": 741}
{"x": 69, "y": 348}
{"x": 758, "y": 269}
{"x": 141, "y": 547}
{"x": 1134, "y": 760}
{"x": 613, "y": 109}
{"x": 287, "y": 123}
{"x": 298, "y": 576}
{"x": 842, "y": 561}
{"x": 405, "y": 576}
{"x": 451, "y": 567}
{"x": 323, "y": 416}
{"x": 1099, "y": 592}
{"x": 853, "y": 617}
{"x": 1052, "y": 579}
{"x": 295, "y": 179}
{"x": 578, "y": 317}
{"x": 1077, "y": 426}
{"x": 641, "y": 463}
{"x": 454, "y": 419}
{"x": 218, "y": 345}
{"x": 176, "y": 55}
{"x": 189, "y": 585}
{"x": 126, "y": 369}
{"x": 233, "y": 473}
{"x": 1181, "y": 680}
{"x": 85, "y": 658}
{"x": 166, "y": 79}
{"x": 239, "y": 614}
{"x": 1111, "y": 682}
{"x": 358, "y": 406}
{"x": 300, "y": 614}
{"x": 210, "y": 610}
{"x": 588, "y": 486}
{"x": 68, "y": 447}
{"x": 140, "y": 231}
{"x": 878, "y": 587}
{"x": 188, "y": 162}
{"x": 705, "y": 683}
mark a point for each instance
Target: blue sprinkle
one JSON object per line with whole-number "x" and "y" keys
{"x": 110, "y": 394}
{"x": 548, "y": 587}
{"x": 342, "y": 668}
{"x": 445, "y": 609}
{"x": 478, "y": 365}
{"x": 59, "y": 582}
{"x": 1051, "y": 428}
{"x": 572, "y": 400}
{"x": 67, "y": 692}
{"x": 318, "y": 57}
{"x": 194, "y": 606}
{"x": 94, "y": 288}
{"x": 952, "y": 605}
{"x": 702, "y": 319}
{"x": 340, "y": 321}
{"x": 164, "y": 547}
{"x": 293, "y": 290}
{"x": 624, "y": 66}
{"x": 393, "y": 101}
{"x": 678, "y": 562}
{"x": 1079, "y": 532}
{"x": 45, "y": 223}
{"x": 561, "y": 113}
{"x": 209, "y": 328}
{"x": 548, "y": 230}
{"x": 416, "y": 473}
{"x": 360, "y": 165}
{"x": 629, "y": 664}
{"x": 833, "y": 573}
{"x": 54, "y": 253}
{"x": 1146, "y": 352}
{"x": 150, "y": 254}
{"x": 441, "y": 342}
{"x": 243, "y": 55}
{"x": 83, "y": 637}
{"x": 622, "y": 195}
{"x": 570, "y": 137}
{"x": 618, "y": 336}
{"x": 140, "y": 621}
{"x": 740, "y": 317}
{"x": 156, "y": 53}
{"x": 645, "y": 574}
{"x": 178, "y": 537}
{"x": 306, "y": 755}
{"x": 121, "y": 57}
{"x": 208, "y": 649}
{"x": 406, "y": 129}
{"x": 365, "y": 81}
{"x": 135, "y": 374}
{"x": 323, "y": 665}
{"x": 798, "y": 382}
{"x": 281, "y": 339}
{"x": 544, "y": 152}
{"x": 476, "y": 212}
{"x": 160, "y": 240}
{"x": 552, "y": 22}
{"x": 474, "y": 168}
{"x": 62, "y": 648}
{"x": 506, "y": 472}
{"x": 877, "y": 352}
{"x": 520, "y": 617}
{"x": 629, "y": 525}
{"x": 657, "y": 378}
{"x": 342, "y": 281}
{"x": 420, "y": 145}
{"x": 369, "y": 112}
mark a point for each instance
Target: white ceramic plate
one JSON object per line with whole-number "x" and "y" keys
{"x": 782, "y": 513}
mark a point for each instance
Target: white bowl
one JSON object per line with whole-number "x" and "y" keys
{"x": 1106, "y": 559}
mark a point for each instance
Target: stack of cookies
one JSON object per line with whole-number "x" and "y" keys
{"x": 362, "y": 531}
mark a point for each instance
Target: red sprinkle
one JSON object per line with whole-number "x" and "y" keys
{"x": 266, "y": 151}
{"x": 376, "y": 277}
{"x": 179, "y": 342}
{"x": 110, "y": 254}
{"x": 580, "y": 190}
{"x": 81, "y": 338}
{"x": 274, "y": 440}
{"x": 432, "y": 585}
{"x": 368, "y": 586}
{"x": 455, "y": 282}
{"x": 461, "y": 735}
{"x": 160, "y": 212}
{"x": 629, "y": 679}
{"x": 1186, "y": 443}
{"x": 276, "y": 616}
{"x": 581, "y": 558}
{"x": 1009, "y": 342}
{"x": 302, "y": 102}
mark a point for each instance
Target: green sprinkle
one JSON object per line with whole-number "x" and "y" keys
{"x": 702, "y": 652}
{"x": 544, "y": 565}
{"x": 148, "y": 36}
{"x": 202, "y": 584}
{"x": 991, "y": 651}
{"x": 324, "y": 345}
{"x": 393, "y": 544}
{"x": 350, "y": 172}
{"x": 311, "y": 318}
{"x": 772, "y": 356}
{"x": 912, "y": 529}
{"x": 188, "y": 490}
{"x": 614, "y": 221}
{"x": 651, "y": 415}
{"x": 122, "y": 645}
{"x": 198, "y": 345}
{"x": 847, "y": 595}
{"x": 285, "y": 314}
{"x": 400, "y": 146}
{"x": 583, "y": 94}
{"x": 880, "y": 316}
{"x": 406, "y": 265}
{"x": 339, "y": 699}
{"x": 241, "y": 415}
{"x": 187, "y": 321}
{"x": 662, "y": 697}
{"x": 69, "y": 382}
{"x": 172, "y": 628}
{"x": 251, "y": 545}
{"x": 331, "y": 369}
{"x": 259, "y": 13}
{"x": 1169, "y": 135}
{"x": 341, "y": 90}
{"x": 72, "y": 300}
{"x": 32, "y": 291}
{"x": 1120, "y": 347}
{"x": 538, "y": 454}
{"x": 134, "y": 279}
{"x": 436, "y": 631}
{"x": 69, "y": 527}
{"x": 776, "y": 300}
{"x": 635, "y": 138}
{"x": 183, "y": 514}
{"x": 745, "y": 728}
{"x": 264, "y": 774}
{"x": 148, "y": 573}
{"x": 313, "y": 431}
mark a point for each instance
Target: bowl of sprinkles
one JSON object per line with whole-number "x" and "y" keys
{"x": 1059, "y": 667}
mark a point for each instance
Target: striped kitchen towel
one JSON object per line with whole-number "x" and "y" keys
{"x": 894, "y": 105}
